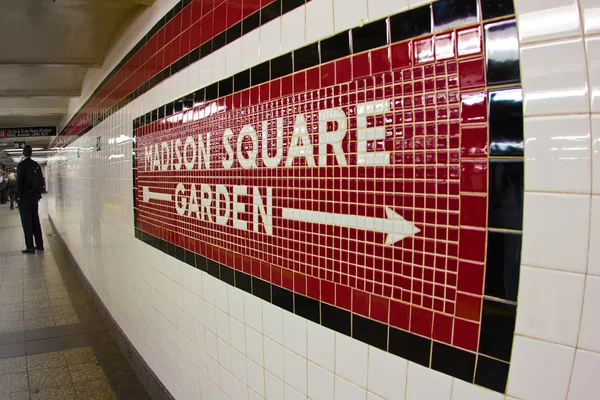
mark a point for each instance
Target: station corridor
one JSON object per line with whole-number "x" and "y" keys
{"x": 53, "y": 343}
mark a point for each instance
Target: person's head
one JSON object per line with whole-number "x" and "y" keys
{"x": 27, "y": 151}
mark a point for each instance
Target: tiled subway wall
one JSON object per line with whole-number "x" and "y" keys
{"x": 333, "y": 199}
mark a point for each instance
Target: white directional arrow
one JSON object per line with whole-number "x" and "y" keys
{"x": 148, "y": 195}
{"x": 396, "y": 227}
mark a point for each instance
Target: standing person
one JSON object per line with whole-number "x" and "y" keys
{"x": 3, "y": 187}
{"x": 30, "y": 184}
{"x": 12, "y": 189}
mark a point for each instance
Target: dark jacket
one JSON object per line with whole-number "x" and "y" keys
{"x": 25, "y": 186}
{"x": 12, "y": 185}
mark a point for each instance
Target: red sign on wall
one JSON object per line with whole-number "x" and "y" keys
{"x": 361, "y": 183}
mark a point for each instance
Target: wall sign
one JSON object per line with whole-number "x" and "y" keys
{"x": 374, "y": 188}
{"x": 27, "y": 132}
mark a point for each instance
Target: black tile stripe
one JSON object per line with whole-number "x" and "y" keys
{"x": 427, "y": 352}
{"x": 417, "y": 23}
{"x": 248, "y": 24}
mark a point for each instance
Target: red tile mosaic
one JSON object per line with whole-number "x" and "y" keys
{"x": 361, "y": 183}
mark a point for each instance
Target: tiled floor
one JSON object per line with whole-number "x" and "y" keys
{"x": 53, "y": 343}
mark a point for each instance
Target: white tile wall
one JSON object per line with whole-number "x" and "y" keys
{"x": 550, "y": 305}
{"x": 200, "y": 338}
{"x": 589, "y": 335}
{"x": 550, "y": 19}
{"x": 464, "y": 391}
{"x": 596, "y": 153}
{"x": 584, "y": 382}
{"x": 424, "y": 383}
{"x": 590, "y": 13}
{"x": 558, "y": 152}
{"x": 560, "y": 222}
{"x": 592, "y": 45}
{"x": 539, "y": 370}
{"x": 385, "y": 375}
{"x": 559, "y": 89}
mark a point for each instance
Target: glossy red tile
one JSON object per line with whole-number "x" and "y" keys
{"x": 466, "y": 334}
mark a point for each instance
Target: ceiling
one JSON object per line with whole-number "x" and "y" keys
{"x": 46, "y": 49}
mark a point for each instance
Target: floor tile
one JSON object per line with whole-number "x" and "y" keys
{"x": 94, "y": 390}
{"x": 11, "y": 316}
{"x": 17, "y": 396}
{"x": 13, "y": 365}
{"x": 10, "y": 350}
{"x": 45, "y": 321}
{"x": 11, "y": 326}
{"x": 10, "y": 383}
{"x": 37, "y": 313}
{"x": 74, "y": 341}
{"x": 46, "y": 360}
{"x": 36, "y": 304}
{"x": 86, "y": 372}
{"x": 55, "y": 393}
{"x": 42, "y": 346}
{"x": 80, "y": 356}
{"x": 66, "y": 319}
{"x": 45, "y": 378}
{"x": 42, "y": 333}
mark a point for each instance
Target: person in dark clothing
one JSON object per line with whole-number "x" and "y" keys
{"x": 29, "y": 193}
{"x": 3, "y": 188}
{"x": 12, "y": 189}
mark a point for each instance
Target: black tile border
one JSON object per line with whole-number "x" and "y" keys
{"x": 144, "y": 373}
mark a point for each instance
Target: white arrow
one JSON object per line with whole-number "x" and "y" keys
{"x": 148, "y": 195}
{"x": 396, "y": 227}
